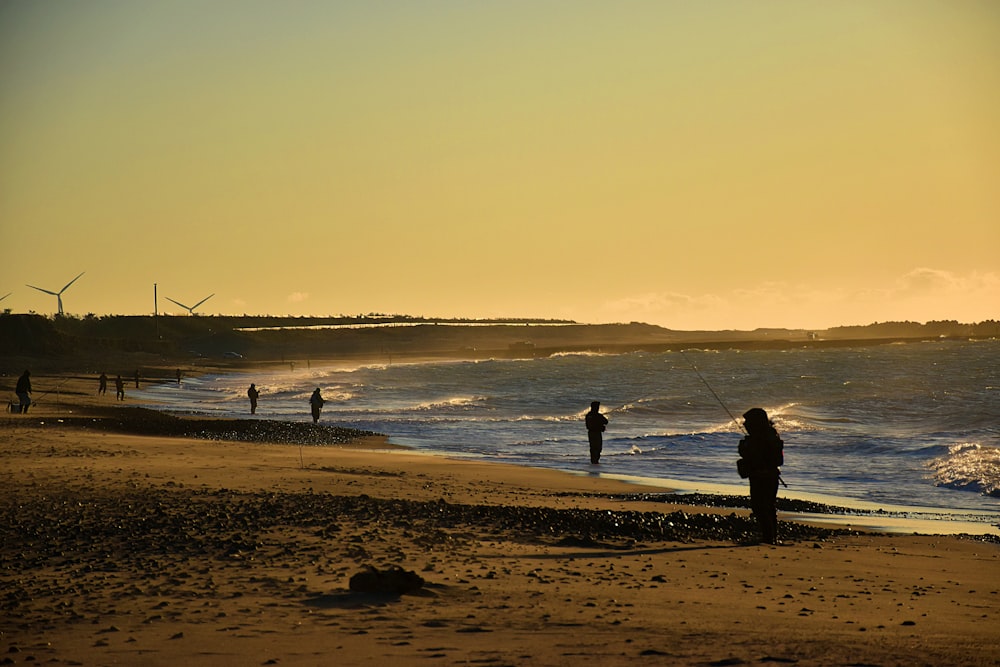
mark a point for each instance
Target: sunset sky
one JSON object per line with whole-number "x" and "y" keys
{"x": 697, "y": 165}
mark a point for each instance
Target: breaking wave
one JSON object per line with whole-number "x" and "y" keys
{"x": 969, "y": 467}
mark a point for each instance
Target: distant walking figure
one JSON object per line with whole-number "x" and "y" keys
{"x": 119, "y": 388}
{"x": 252, "y": 394}
{"x": 178, "y": 376}
{"x": 316, "y": 403}
{"x": 23, "y": 391}
{"x": 762, "y": 452}
{"x": 137, "y": 378}
{"x": 102, "y": 385}
{"x": 596, "y": 422}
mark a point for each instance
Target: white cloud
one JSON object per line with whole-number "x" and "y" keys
{"x": 923, "y": 280}
{"x": 298, "y": 297}
{"x": 920, "y": 295}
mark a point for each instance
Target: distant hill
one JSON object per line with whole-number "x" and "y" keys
{"x": 91, "y": 342}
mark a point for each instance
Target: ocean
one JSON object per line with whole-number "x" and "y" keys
{"x": 909, "y": 427}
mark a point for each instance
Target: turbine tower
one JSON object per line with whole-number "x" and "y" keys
{"x": 190, "y": 309}
{"x": 58, "y": 295}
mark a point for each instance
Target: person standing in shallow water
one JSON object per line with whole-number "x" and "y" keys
{"x": 596, "y": 423}
{"x": 119, "y": 388}
{"x": 102, "y": 384}
{"x": 316, "y": 403}
{"x": 763, "y": 452}
{"x": 252, "y": 394}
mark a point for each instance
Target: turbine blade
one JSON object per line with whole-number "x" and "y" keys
{"x": 178, "y": 303}
{"x": 42, "y": 290}
{"x": 202, "y": 301}
{"x": 71, "y": 282}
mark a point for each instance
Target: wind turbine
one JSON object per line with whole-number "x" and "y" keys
{"x": 58, "y": 295}
{"x": 190, "y": 309}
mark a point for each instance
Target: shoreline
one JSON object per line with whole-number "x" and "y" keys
{"x": 835, "y": 513}
{"x": 826, "y": 510}
{"x": 152, "y": 549}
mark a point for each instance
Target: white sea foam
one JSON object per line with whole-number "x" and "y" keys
{"x": 453, "y": 402}
{"x": 969, "y": 466}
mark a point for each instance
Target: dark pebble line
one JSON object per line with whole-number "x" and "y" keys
{"x": 142, "y": 421}
{"x": 143, "y": 523}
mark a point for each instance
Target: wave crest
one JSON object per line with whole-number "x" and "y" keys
{"x": 968, "y": 466}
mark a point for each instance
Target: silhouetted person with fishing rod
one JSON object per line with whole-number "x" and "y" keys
{"x": 596, "y": 423}
{"x": 253, "y": 394}
{"x": 23, "y": 391}
{"x": 761, "y": 454}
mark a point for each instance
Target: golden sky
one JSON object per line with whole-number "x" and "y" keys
{"x": 716, "y": 165}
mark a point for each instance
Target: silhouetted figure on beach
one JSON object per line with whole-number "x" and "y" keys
{"x": 316, "y": 403}
{"x": 762, "y": 452}
{"x": 137, "y": 378}
{"x": 102, "y": 384}
{"x": 119, "y": 388}
{"x": 596, "y": 423}
{"x": 23, "y": 391}
{"x": 252, "y": 394}
{"x": 178, "y": 376}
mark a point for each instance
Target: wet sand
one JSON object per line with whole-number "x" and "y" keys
{"x": 131, "y": 539}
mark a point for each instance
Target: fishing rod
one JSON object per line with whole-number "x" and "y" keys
{"x": 728, "y": 412}
{"x": 34, "y": 401}
{"x": 712, "y": 391}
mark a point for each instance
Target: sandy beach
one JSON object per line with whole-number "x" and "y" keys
{"x": 131, "y": 540}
